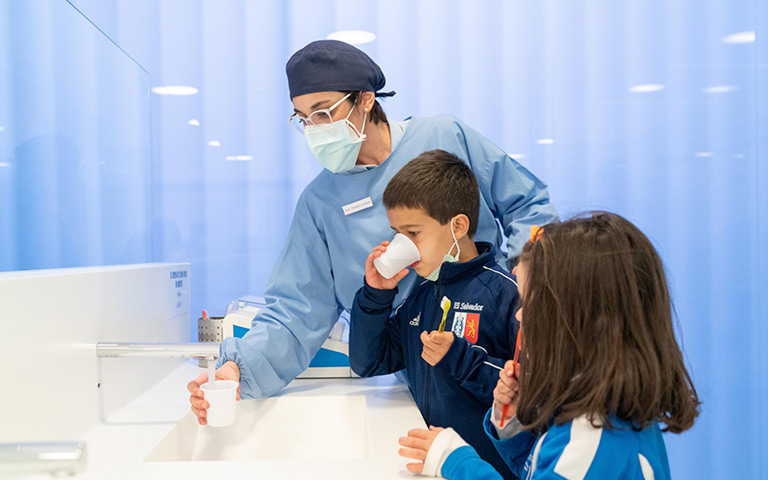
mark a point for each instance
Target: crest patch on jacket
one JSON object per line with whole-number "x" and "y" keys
{"x": 466, "y": 325}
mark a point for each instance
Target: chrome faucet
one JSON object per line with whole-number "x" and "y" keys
{"x": 207, "y": 351}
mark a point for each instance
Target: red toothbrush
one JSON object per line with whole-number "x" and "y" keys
{"x": 514, "y": 369}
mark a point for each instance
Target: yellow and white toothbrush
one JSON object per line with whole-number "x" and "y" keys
{"x": 445, "y": 304}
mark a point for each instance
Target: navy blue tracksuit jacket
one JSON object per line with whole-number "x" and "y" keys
{"x": 458, "y": 391}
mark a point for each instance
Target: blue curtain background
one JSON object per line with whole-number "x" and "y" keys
{"x": 646, "y": 108}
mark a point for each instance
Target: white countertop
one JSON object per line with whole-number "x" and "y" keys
{"x": 118, "y": 448}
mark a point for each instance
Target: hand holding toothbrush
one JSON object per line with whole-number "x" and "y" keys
{"x": 438, "y": 342}
{"x": 506, "y": 395}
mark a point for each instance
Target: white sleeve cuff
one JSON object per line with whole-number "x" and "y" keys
{"x": 511, "y": 427}
{"x": 443, "y": 445}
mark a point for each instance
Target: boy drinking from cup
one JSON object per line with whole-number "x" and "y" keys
{"x": 455, "y": 328}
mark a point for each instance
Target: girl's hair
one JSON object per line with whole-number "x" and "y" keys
{"x": 597, "y": 329}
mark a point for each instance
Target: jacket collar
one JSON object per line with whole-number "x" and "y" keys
{"x": 455, "y": 271}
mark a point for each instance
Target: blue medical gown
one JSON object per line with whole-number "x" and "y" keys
{"x": 322, "y": 264}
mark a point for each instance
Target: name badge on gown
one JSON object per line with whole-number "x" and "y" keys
{"x": 353, "y": 207}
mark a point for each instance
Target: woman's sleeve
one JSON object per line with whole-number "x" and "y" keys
{"x": 517, "y": 197}
{"x": 301, "y": 310}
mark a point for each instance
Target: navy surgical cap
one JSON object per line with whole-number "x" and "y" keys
{"x": 333, "y": 66}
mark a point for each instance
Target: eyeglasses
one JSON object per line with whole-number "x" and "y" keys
{"x": 318, "y": 117}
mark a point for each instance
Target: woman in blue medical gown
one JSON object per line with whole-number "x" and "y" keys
{"x": 339, "y": 216}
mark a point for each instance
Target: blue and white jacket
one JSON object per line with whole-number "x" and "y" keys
{"x": 574, "y": 450}
{"x": 459, "y": 389}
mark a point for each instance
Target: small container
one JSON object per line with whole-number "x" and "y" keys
{"x": 222, "y": 398}
{"x": 209, "y": 330}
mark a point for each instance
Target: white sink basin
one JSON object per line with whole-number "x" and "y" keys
{"x": 277, "y": 428}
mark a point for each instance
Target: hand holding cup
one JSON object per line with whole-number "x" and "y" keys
{"x": 386, "y": 265}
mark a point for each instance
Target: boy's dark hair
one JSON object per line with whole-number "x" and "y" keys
{"x": 598, "y": 338}
{"x": 439, "y": 183}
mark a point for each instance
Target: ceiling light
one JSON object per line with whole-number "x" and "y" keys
{"x": 704, "y": 154}
{"x": 2, "y": 128}
{"x": 545, "y": 141}
{"x": 741, "y": 37}
{"x": 719, "y": 89}
{"x": 517, "y": 155}
{"x": 241, "y": 158}
{"x": 175, "y": 90}
{"x": 353, "y": 37}
{"x": 5, "y": 164}
{"x": 193, "y": 122}
{"x": 214, "y": 143}
{"x": 645, "y": 88}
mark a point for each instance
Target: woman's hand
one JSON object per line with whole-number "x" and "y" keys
{"x": 374, "y": 278}
{"x": 507, "y": 391}
{"x": 228, "y": 371}
{"x": 417, "y": 445}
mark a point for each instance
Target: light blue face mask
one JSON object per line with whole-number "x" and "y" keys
{"x": 337, "y": 144}
{"x": 448, "y": 258}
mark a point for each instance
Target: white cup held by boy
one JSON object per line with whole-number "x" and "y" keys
{"x": 400, "y": 253}
{"x": 221, "y": 397}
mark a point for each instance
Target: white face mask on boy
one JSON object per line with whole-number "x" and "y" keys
{"x": 447, "y": 258}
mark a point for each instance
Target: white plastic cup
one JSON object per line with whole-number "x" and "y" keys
{"x": 221, "y": 397}
{"x": 400, "y": 253}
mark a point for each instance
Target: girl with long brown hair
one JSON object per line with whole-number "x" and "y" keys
{"x": 601, "y": 374}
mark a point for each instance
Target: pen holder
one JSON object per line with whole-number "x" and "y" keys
{"x": 209, "y": 330}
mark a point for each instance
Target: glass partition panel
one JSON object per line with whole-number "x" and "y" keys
{"x": 74, "y": 142}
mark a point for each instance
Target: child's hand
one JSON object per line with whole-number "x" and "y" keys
{"x": 417, "y": 445}
{"x": 507, "y": 391}
{"x": 436, "y": 345}
{"x": 374, "y": 278}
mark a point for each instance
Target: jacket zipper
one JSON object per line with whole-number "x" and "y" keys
{"x": 428, "y": 376}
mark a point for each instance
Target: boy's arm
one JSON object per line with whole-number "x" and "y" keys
{"x": 375, "y": 346}
{"x": 473, "y": 368}
{"x": 469, "y": 364}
